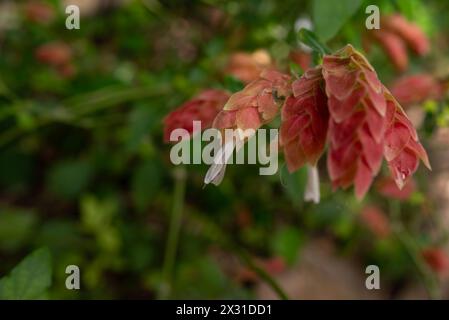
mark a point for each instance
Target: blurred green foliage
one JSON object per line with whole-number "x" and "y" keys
{"x": 84, "y": 171}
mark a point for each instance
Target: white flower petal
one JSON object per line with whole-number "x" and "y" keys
{"x": 312, "y": 192}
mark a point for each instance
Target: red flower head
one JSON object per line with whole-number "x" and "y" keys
{"x": 257, "y": 104}
{"x": 395, "y": 35}
{"x": 357, "y": 119}
{"x": 388, "y": 188}
{"x": 342, "y": 102}
{"x": 301, "y": 58}
{"x": 204, "y": 107}
{"x": 54, "y": 54}
{"x": 437, "y": 259}
{"x": 304, "y": 121}
{"x": 409, "y": 32}
{"x": 40, "y": 12}
{"x": 366, "y": 123}
{"x": 402, "y": 148}
{"x": 247, "y": 67}
{"x": 416, "y": 89}
{"x": 394, "y": 47}
{"x": 376, "y": 220}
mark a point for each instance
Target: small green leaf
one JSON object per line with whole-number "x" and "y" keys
{"x": 233, "y": 84}
{"x": 310, "y": 39}
{"x": 16, "y": 226}
{"x": 330, "y": 16}
{"x": 286, "y": 244}
{"x": 69, "y": 178}
{"x": 30, "y": 279}
{"x": 145, "y": 184}
{"x": 294, "y": 183}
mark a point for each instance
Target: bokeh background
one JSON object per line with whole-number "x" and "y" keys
{"x": 86, "y": 179}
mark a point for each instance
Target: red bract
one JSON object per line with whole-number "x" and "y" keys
{"x": 409, "y": 32}
{"x": 388, "y": 188}
{"x": 376, "y": 220}
{"x": 40, "y": 12}
{"x": 395, "y": 35}
{"x": 394, "y": 47}
{"x": 301, "y": 58}
{"x": 247, "y": 67}
{"x": 342, "y": 103}
{"x": 437, "y": 259}
{"x": 357, "y": 119}
{"x": 54, "y": 53}
{"x": 304, "y": 121}
{"x": 257, "y": 104}
{"x": 416, "y": 89}
{"x": 204, "y": 107}
{"x": 402, "y": 148}
{"x": 366, "y": 123}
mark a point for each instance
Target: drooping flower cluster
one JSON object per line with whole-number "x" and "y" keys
{"x": 395, "y": 34}
{"x": 357, "y": 123}
{"x": 366, "y": 124}
{"x": 376, "y": 221}
{"x": 388, "y": 188}
{"x": 39, "y": 12}
{"x": 258, "y": 103}
{"x": 304, "y": 121}
{"x": 402, "y": 148}
{"x": 204, "y": 107}
{"x": 247, "y": 66}
{"x": 58, "y": 55}
{"x": 341, "y": 104}
{"x": 417, "y": 88}
{"x": 437, "y": 259}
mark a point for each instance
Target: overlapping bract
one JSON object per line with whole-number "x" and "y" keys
{"x": 258, "y": 103}
{"x": 304, "y": 121}
{"x": 388, "y": 188}
{"x": 341, "y": 103}
{"x": 247, "y": 66}
{"x": 394, "y": 36}
{"x": 417, "y": 88}
{"x": 409, "y": 32}
{"x": 402, "y": 148}
{"x": 204, "y": 107}
{"x": 366, "y": 124}
{"x": 357, "y": 123}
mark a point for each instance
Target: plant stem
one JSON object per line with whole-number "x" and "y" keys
{"x": 246, "y": 259}
{"x": 86, "y": 104}
{"x": 413, "y": 251}
{"x": 173, "y": 234}
{"x": 214, "y": 233}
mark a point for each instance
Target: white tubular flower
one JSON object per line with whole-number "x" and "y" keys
{"x": 312, "y": 192}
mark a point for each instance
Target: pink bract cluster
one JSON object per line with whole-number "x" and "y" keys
{"x": 340, "y": 104}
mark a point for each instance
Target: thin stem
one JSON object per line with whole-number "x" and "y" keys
{"x": 173, "y": 234}
{"x": 210, "y": 230}
{"x": 413, "y": 250}
{"x": 246, "y": 259}
{"x": 85, "y": 104}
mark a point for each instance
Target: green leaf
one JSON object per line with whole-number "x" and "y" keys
{"x": 310, "y": 39}
{"x": 294, "y": 183}
{"x": 69, "y": 178}
{"x": 286, "y": 243}
{"x": 98, "y": 216}
{"x": 30, "y": 279}
{"x": 233, "y": 84}
{"x": 330, "y": 16}
{"x": 16, "y": 226}
{"x": 145, "y": 183}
